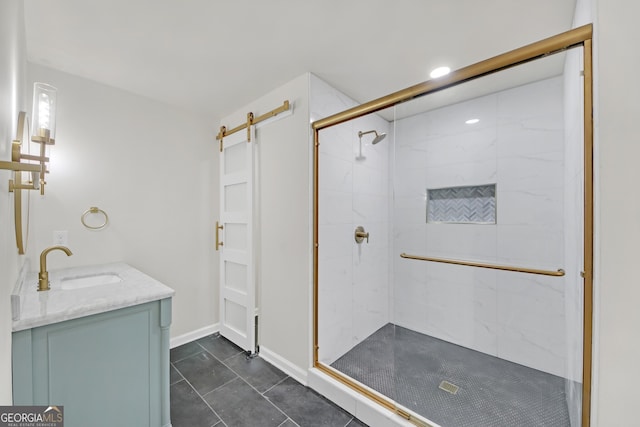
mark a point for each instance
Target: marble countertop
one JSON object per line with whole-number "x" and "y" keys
{"x": 32, "y": 308}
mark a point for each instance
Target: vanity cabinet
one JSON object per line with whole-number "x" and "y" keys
{"x": 107, "y": 369}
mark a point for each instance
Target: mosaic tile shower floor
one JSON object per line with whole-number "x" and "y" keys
{"x": 409, "y": 367}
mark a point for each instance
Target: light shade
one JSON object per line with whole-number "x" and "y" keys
{"x": 44, "y": 112}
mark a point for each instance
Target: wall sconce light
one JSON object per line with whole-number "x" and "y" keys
{"x": 44, "y": 129}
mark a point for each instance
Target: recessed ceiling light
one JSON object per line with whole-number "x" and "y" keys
{"x": 439, "y": 72}
{"x": 472, "y": 121}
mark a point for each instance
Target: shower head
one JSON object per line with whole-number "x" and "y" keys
{"x": 379, "y": 136}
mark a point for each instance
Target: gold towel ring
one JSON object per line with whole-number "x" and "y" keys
{"x": 95, "y": 210}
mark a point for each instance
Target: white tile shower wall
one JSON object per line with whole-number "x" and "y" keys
{"x": 518, "y": 144}
{"x": 353, "y": 292}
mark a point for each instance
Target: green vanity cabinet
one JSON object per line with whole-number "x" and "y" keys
{"x": 107, "y": 369}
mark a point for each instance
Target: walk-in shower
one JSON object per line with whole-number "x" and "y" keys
{"x": 469, "y": 303}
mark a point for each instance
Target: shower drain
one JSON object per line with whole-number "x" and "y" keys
{"x": 448, "y": 387}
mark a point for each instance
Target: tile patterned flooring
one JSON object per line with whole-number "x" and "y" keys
{"x": 409, "y": 367}
{"x": 213, "y": 383}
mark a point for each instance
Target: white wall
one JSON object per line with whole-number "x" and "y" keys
{"x": 518, "y": 144}
{"x": 13, "y": 99}
{"x": 354, "y": 278}
{"x": 284, "y": 276}
{"x": 148, "y": 166}
{"x": 617, "y": 343}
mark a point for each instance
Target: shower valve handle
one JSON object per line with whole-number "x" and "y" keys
{"x": 360, "y": 234}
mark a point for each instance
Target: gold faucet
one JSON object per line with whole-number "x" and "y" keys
{"x": 43, "y": 276}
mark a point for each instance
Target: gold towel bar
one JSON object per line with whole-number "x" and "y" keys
{"x": 558, "y": 273}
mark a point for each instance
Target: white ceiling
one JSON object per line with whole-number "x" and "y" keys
{"x": 214, "y": 56}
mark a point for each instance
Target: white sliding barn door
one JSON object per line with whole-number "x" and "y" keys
{"x": 237, "y": 268}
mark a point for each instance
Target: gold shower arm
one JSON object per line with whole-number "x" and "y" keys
{"x": 558, "y": 273}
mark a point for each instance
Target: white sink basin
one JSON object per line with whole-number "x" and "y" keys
{"x": 88, "y": 281}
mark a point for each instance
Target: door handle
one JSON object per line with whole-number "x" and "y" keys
{"x": 218, "y": 242}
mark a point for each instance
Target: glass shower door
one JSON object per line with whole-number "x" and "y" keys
{"x": 483, "y": 225}
{"x": 354, "y": 260}
{"x": 487, "y": 240}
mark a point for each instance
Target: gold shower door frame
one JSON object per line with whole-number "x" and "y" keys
{"x": 581, "y": 36}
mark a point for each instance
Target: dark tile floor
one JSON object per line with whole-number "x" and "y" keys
{"x": 213, "y": 383}
{"x": 409, "y": 367}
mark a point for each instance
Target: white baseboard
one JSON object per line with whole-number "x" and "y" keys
{"x": 284, "y": 365}
{"x": 194, "y": 335}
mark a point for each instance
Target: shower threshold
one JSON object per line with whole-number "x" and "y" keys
{"x": 411, "y": 368}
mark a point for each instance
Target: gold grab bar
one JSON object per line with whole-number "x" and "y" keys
{"x": 558, "y": 273}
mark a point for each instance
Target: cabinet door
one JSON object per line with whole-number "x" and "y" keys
{"x": 105, "y": 369}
